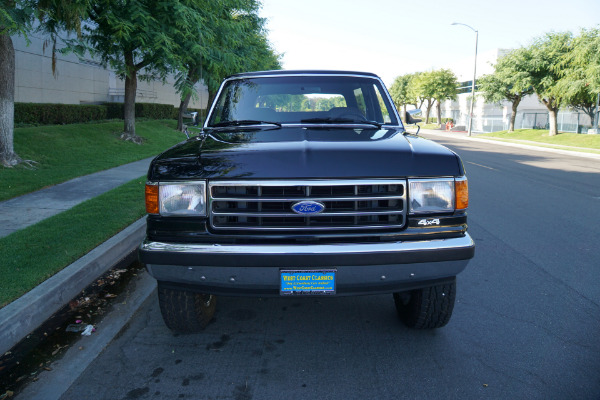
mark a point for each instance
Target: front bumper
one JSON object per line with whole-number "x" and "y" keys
{"x": 362, "y": 268}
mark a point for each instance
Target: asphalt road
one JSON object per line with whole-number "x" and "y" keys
{"x": 526, "y": 324}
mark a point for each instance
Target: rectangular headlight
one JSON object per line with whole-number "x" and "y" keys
{"x": 431, "y": 195}
{"x": 185, "y": 199}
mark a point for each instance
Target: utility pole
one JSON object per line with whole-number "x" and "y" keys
{"x": 474, "y": 75}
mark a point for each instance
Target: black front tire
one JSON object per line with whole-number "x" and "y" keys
{"x": 184, "y": 311}
{"x": 426, "y": 308}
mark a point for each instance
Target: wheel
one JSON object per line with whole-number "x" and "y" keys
{"x": 426, "y": 308}
{"x": 184, "y": 311}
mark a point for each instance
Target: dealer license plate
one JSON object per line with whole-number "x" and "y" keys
{"x": 307, "y": 282}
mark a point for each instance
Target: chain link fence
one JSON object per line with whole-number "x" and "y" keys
{"x": 568, "y": 121}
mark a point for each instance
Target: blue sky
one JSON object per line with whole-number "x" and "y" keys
{"x": 392, "y": 38}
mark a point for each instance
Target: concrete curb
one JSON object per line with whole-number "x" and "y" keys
{"x": 510, "y": 144}
{"x": 53, "y": 384}
{"x": 24, "y": 315}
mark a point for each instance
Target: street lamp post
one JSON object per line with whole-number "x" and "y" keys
{"x": 474, "y": 74}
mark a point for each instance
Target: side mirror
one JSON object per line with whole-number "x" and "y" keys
{"x": 409, "y": 118}
{"x": 195, "y": 118}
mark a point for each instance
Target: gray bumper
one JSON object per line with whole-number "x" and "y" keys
{"x": 254, "y": 269}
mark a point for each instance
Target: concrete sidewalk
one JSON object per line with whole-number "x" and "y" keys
{"x": 25, "y": 314}
{"x": 23, "y": 211}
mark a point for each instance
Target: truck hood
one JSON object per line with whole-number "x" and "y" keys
{"x": 304, "y": 153}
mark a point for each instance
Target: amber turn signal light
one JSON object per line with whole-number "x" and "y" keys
{"x": 152, "y": 199}
{"x": 461, "y": 188}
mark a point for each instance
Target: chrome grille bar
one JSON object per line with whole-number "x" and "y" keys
{"x": 349, "y": 205}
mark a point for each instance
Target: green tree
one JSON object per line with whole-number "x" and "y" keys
{"x": 580, "y": 82}
{"x": 219, "y": 33}
{"x": 508, "y": 82}
{"x": 433, "y": 87}
{"x": 544, "y": 61}
{"x": 445, "y": 84}
{"x": 575, "y": 92}
{"x": 425, "y": 90}
{"x": 17, "y": 18}
{"x": 401, "y": 92}
{"x": 586, "y": 57}
{"x": 140, "y": 40}
{"x": 413, "y": 91}
{"x": 238, "y": 43}
{"x": 13, "y": 19}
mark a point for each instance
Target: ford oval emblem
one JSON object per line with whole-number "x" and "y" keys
{"x": 308, "y": 207}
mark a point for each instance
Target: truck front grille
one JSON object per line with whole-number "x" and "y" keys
{"x": 349, "y": 205}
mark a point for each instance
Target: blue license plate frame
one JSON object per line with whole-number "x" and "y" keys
{"x": 304, "y": 282}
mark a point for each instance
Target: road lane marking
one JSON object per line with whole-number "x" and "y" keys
{"x": 479, "y": 165}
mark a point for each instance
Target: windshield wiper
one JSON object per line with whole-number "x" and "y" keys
{"x": 243, "y": 122}
{"x": 329, "y": 120}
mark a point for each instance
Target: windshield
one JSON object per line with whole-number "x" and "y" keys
{"x": 303, "y": 100}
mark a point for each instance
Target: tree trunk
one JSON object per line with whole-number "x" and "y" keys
{"x": 552, "y": 107}
{"x": 129, "y": 104}
{"x": 193, "y": 76}
{"x": 183, "y": 105}
{"x": 591, "y": 112}
{"x": 439, "y": 113}
{"x": 552, "y": 118}
{"x": 429, "y": 105}
{"x": 403, "y": 116}
{"x": 8, "y": 157}
{"x": 513, "y": 117}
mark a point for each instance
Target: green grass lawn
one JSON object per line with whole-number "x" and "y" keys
{"x": 63, "y": 152}
{"x": 32, "y": 255}
{"x": 541, "y": 136}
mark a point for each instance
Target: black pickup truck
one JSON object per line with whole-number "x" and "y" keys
{"x": 306, "y": 183}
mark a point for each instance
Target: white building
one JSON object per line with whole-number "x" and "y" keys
{"x": 81, "y": 80}
{"x": 493, "y": 117}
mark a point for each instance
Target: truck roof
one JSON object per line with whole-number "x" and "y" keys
{"x": 301, "y": 72}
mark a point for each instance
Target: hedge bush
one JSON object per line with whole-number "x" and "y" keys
{"x": 114, "y": 110}
{"x": 57, "y": 114}
{"x": 142, "y": 110}
{"x": 61, "y": 114}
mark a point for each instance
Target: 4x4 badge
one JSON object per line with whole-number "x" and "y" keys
{"x": 429, "y": 221}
